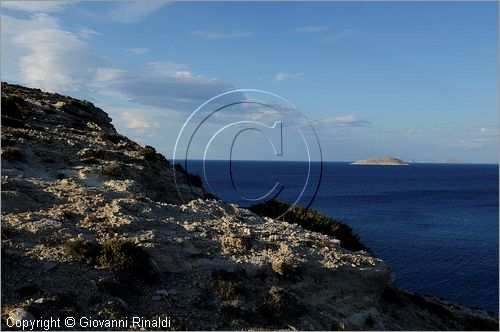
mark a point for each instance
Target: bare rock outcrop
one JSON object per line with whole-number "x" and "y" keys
{"x": 92, "y": 226}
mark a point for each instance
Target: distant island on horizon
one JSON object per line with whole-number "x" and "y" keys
{"x": 449, "y": 161}
{"x": 384, "y": 161}
{"x": 374, "y": 161}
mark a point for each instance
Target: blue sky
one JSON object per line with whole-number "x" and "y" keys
{"x": 412, "y": 80}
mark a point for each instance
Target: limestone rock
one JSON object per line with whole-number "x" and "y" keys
{"x": 70, "y": 183}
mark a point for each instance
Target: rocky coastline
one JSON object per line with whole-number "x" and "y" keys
{"x": 93, "y": 226}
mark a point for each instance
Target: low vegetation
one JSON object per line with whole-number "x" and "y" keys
{"x": 311, "y": 220}
{"x": 124, "y": 256}
{"x": 118, "y": 255}
{"x": 82, "y": 250}
{"x": 226, "y": 289}
{"x": 148, "y": 153}
{"x": 227, "y": 284}
{"x": 278, "y": 304}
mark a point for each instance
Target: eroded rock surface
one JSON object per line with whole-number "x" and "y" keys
{"x": 69, "y": 178}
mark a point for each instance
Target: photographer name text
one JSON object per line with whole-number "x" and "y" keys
{"x": 47, "y": 324}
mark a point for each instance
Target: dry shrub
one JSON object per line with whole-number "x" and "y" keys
{"x": 148, "y": 153}
{"x": 226, "y": 289}
{"x": 82, "y": 250}
{"x": 238, "y": 243}
{"x": 278, "y": 304}
{"x": 311, "y": 220}
{"x": 227, "y": 284}
{"x": 285, "y": 264}
{"x": 124, "y": 256}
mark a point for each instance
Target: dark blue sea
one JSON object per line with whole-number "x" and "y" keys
{"x": 436, "y": 224}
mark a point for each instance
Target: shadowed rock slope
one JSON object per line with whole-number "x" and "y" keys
{"x": 92, "y": 226}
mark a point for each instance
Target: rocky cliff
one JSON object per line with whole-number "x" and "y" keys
{"x": 92, "y": 226}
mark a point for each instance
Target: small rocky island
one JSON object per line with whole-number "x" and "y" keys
{"x": 93, "y": 226}
{"x": 385, "y": 161}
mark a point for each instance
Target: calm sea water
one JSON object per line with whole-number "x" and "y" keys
{"x": 437, "y": 224}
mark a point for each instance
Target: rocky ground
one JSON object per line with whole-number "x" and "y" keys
{"x": 92, "y": 225}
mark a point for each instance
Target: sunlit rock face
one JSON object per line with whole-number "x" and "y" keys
{"x": 92, "y": 225}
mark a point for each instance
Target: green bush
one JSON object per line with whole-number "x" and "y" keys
{"x": 311, "y": 220}
{"x": 124, "y": 256}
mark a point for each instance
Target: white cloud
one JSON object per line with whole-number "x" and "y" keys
{"x": 135, "y": 120}
{"x": 138, "y": 50}
{"x": 131, "y": 12}
{"x": 344, "y": 121}
{"x": 171, "y": 68}
{"x": 166, "y": 90}
{"x": 283, "y": 76}
{"x": 312, "y": 29}
{"x": 339, "y": 36}
{"x": 88, "y": 33}
{"x": 221, "y": 35}
{"x": 37, "y": 52}
{"x": 36, "y": 6}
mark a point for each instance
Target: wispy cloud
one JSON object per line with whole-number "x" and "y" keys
{"x": 283, "y": 76}
{"x": 170, "y": 68}
{"x": 88, "y": 33}
{"x": 44, "y": 55}
{"x": 138, "y": 50}
{"x": 212, "y": 35}
{"x": 343, "y": 121}
{"x": 131, "y": 12}
{"x": 312, "y": 29}
{"x": 176, "y": 90}
{"x": 468, "y": 143}
{"x": 338, "y": 36}
{"x": 457, "y": 137}
{"x": 36, "y": 6}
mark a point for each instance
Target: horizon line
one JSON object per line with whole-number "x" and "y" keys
{"x": 345, "y": 161}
